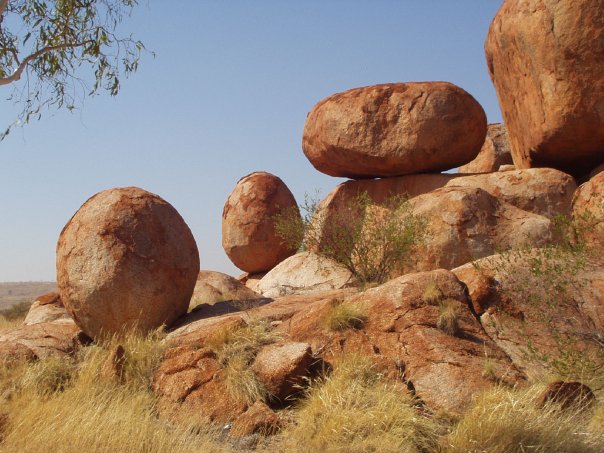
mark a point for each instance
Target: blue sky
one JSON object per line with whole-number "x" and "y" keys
{"x": 227, "y": 94}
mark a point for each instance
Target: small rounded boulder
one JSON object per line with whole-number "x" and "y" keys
{"x": 248, "y": 222}
{"x": 126, "y": 260}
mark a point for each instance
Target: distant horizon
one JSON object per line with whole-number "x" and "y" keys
{"x": 226, "y": 95}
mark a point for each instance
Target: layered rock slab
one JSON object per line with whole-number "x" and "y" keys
{"x": 545, "y": 60}
{"x": 126, "y": 260}
{"x": 394, "y": 129}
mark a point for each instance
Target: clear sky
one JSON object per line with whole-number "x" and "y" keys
{"x": 226, "y": 95}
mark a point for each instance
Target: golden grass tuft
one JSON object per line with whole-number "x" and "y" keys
{"x": 342, "y": 316}
{"x": 356, "y": 409}
{"x": 448, "y": 317}
{"x": 236, "y": 350}
{"x": 504, "y": 420}
{"x": 432, "y": 294}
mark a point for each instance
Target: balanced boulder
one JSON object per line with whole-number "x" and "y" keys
{"x": 126, "y": 260}
{"x": 545, "y": 59}
{"x": 394, "y": 129}
{"x": 249, "y": 237}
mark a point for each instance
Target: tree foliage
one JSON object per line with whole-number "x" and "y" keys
{"x": 62, "y": 50}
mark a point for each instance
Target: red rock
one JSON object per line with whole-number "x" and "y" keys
{"x": 113, "y": 367}
{"x": 126, "y": 260}
{"x": 282, "y": 368}
{"x": 394, "y": 129}
{"x": 259, "y": 418}
{"x": 545, "y": 60}
{"x": 567, "y": 394}
{"x": 468, "y": 223}
{"x": 494, "y": 153}
{"x": 248, "y": 222}
{"x": 401, "y": 336}
{"x": 543, "y": 191}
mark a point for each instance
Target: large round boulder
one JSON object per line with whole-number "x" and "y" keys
{"x": 249, "y": 217}
{"x": 126, "y": 260}
{"x": 545, "y": 59}
{"x": 394, "y": 129}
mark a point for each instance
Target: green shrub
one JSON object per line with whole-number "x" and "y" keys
{"x": 371, "y": 240}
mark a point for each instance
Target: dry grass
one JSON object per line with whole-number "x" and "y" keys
{"x": 10, "y": 323}
{"x": 63, "y": 405}
{"x": 448, "y": 317}
{"x": 236, "y": 350}
{"x": 341, "y": 316}
{"x": 356, "y": 409}
{"x": 432, "y": 294}
{"x": 507, "y": 421}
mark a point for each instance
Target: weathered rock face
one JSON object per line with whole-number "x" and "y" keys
{"x": 213, "y": 287}
{"x": 248, "y": 222}
{"x": 468, "y": 223}
{"x": 126, "y": 260}
{"x": 282, "y": 368}
{"x": 259, "y": 418}
{"x": 304, "y": 273}
{"x": 588, "y": 208}
{"x": 47, "y": 308}
{"x": 545, "y": 59}
{"x": 494, "y": 153}
{"x": 535, "y": 317}
{"x": 401, "y": 335}
{"x": 394, "y": 129}
{"x": 543, "y": 191}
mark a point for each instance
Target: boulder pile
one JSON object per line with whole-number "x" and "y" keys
{"x": 493, "y": 297}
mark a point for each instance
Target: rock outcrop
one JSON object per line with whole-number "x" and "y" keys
{"x": 544, "y": 191}
{"x": 126, "y": 260}
{"x": 494, "y": 153}
{"x": 394, "y": 129}
{"x": 545, "y": 60}
{"x": 248, "y": 222}
{"x": 400, "y": 334}
{"x": 534, "y": 316}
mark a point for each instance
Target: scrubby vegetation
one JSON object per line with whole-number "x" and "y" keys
{"x": 547, "y": 278}
{"x": 371, "y": 240}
